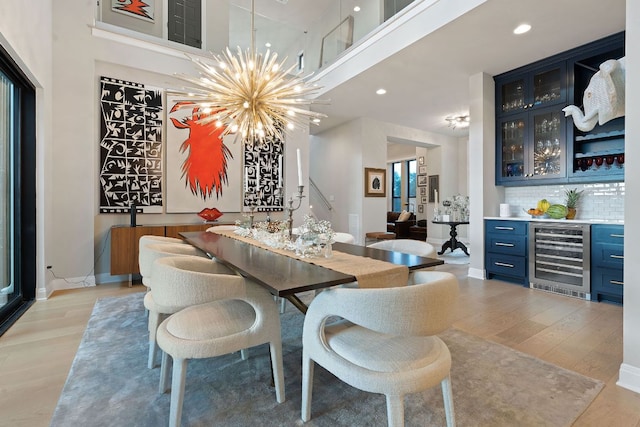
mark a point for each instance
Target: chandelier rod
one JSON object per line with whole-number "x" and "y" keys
{"x": 253, "y": 28}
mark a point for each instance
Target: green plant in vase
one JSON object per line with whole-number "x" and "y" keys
{"x": 572, "y": 199}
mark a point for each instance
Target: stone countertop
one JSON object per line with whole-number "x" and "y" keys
{"x": 577, "y": 221}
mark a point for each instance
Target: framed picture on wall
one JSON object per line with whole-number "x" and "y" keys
{"x": 422, "y": 170}
{"x": 434, "y": 185}
{"x": 420, "y": 209}
{"x": 375, "y": 182}
{"x": 422, "y": 180}
{"x": 423, "y": 191}
{"x": 421, "y": 160}
{"x": 423, "y": 200}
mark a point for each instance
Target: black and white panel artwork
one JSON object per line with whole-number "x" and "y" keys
{"x": 130, "y": 147}
{"x": 263, "y": 174}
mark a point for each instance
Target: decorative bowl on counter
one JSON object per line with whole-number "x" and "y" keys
{"x": 210, "y": 214}
{"x": 540, "y": 215}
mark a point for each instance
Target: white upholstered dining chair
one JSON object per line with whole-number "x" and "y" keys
{"x": 148, "y": 254}
{"x": 344, "y": 237}
{"x": 234, "y": 314}
{"x": 146, "y": 257}
{"x": 407, "y": 246}
{"x": 384, "y": 342}
{"x": 215, "y": 228}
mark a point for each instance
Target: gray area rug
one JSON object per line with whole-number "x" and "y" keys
{"x": 110, "y": 385}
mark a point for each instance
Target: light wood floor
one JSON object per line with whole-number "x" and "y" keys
{"x": 37, "y": 352}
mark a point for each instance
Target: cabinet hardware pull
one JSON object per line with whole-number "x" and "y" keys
{"x": 617, "y": 235}
{"x": 503, "y": 228}
{"x": 617, "y": 256}
{"x": 503, "y": 264}
{"x": 509, "y": 245}
{"x": 616, "y": 282}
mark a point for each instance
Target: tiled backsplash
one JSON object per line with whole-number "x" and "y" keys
{"x": 599, "y": 201}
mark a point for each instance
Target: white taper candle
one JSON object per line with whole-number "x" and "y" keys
{"x": 299, "y": 168}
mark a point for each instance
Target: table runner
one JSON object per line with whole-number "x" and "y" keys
{"x": 370, "y": 273}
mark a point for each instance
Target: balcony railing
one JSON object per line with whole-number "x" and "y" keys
{"x": 312, "y": 35}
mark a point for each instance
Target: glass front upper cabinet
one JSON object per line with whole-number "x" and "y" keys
{"x": 548, "y": 144}
{"x": 540, "y": 88}
{"x": 531, "y": 146}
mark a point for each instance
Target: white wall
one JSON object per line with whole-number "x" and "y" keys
{"x": 80, "y": 58}
{"x": 32, "y": 52}
{"x": 630, "y": 368}
{"x": 484, "y": 196}
{"x": 351, "y": 147}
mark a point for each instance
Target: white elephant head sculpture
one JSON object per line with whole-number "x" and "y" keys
{"x": 603, "y": 98}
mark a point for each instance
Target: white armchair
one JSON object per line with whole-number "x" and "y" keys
{"x": 407, "y": 246}
{"x": 149, "y": 253}
{"x": 385, "y": 342}
{"x": 233, "y": 314}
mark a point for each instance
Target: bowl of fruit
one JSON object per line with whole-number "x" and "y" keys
{"x": 540, "y": 211}
{"x": 537, "y": 213}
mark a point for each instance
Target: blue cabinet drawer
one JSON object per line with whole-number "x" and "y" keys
{"x": 506, "y": 265}
{"x": 607, "y": 255}
{"x": 504, "y": 244}
{"x": 519, "y": 228}
{"x": 613, "y": 234}
{"x": 607, "y": 283}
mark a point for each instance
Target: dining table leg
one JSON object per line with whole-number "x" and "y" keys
{"x": 297, "y": 303}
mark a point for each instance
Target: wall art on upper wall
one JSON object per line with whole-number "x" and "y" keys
{"x": 142, "y": 9}
{"x": 130, "y": 147}
{"x": 202, "y": 169}
{"x": 263, "y": 172}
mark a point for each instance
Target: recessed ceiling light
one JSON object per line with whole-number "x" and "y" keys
{"x": 522, "y": 28}
{"x": 316, "y": 120}
{"x": 267, "y": 44}
{"x": 356, "y": 9}
{"x": 381, "y": 91}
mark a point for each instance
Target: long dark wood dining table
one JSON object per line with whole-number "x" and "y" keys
{"x": 286, "y": 276}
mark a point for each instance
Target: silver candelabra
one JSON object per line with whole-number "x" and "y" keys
{"x": 252, "y": 197}
{"x": 290, "y": 208}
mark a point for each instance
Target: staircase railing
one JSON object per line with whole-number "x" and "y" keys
{"x": 320, "y": 195}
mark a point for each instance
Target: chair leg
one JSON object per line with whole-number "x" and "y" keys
{"x": 307, "y": 385}
{"x": 244, "y": 354}
{"x": 177, "y": 391}
{"x": 395, "y": 411}
{"x": 447, "y": 396}
{"x": 154, "y": 321}
{"x": 276, "y": 369}
{"x": 165, "y": 367}
{"x": 283, "y": 305}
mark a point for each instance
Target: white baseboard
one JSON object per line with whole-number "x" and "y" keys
{"x": 66, "y": 283}
{"x": 477, "y": 273}
{"x": 629, "y": 378}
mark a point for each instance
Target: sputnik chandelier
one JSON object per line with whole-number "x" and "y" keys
{"x": 251, "y": 95}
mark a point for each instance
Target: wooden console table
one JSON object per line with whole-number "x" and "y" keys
{"x": 452, "y": 243}
{"x": 124, "y": 242}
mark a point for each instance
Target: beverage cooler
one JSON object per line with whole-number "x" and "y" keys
{"x": 559, "y": 258}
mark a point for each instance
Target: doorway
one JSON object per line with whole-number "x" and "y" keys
{"x": 17, "y": 192}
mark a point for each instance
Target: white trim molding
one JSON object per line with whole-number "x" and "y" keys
{"x": 629, "y": 378}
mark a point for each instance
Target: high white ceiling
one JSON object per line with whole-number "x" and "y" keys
{"x": 429, "y": 80}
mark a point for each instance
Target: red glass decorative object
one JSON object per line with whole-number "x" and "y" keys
{"x": 210, "y": 214}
